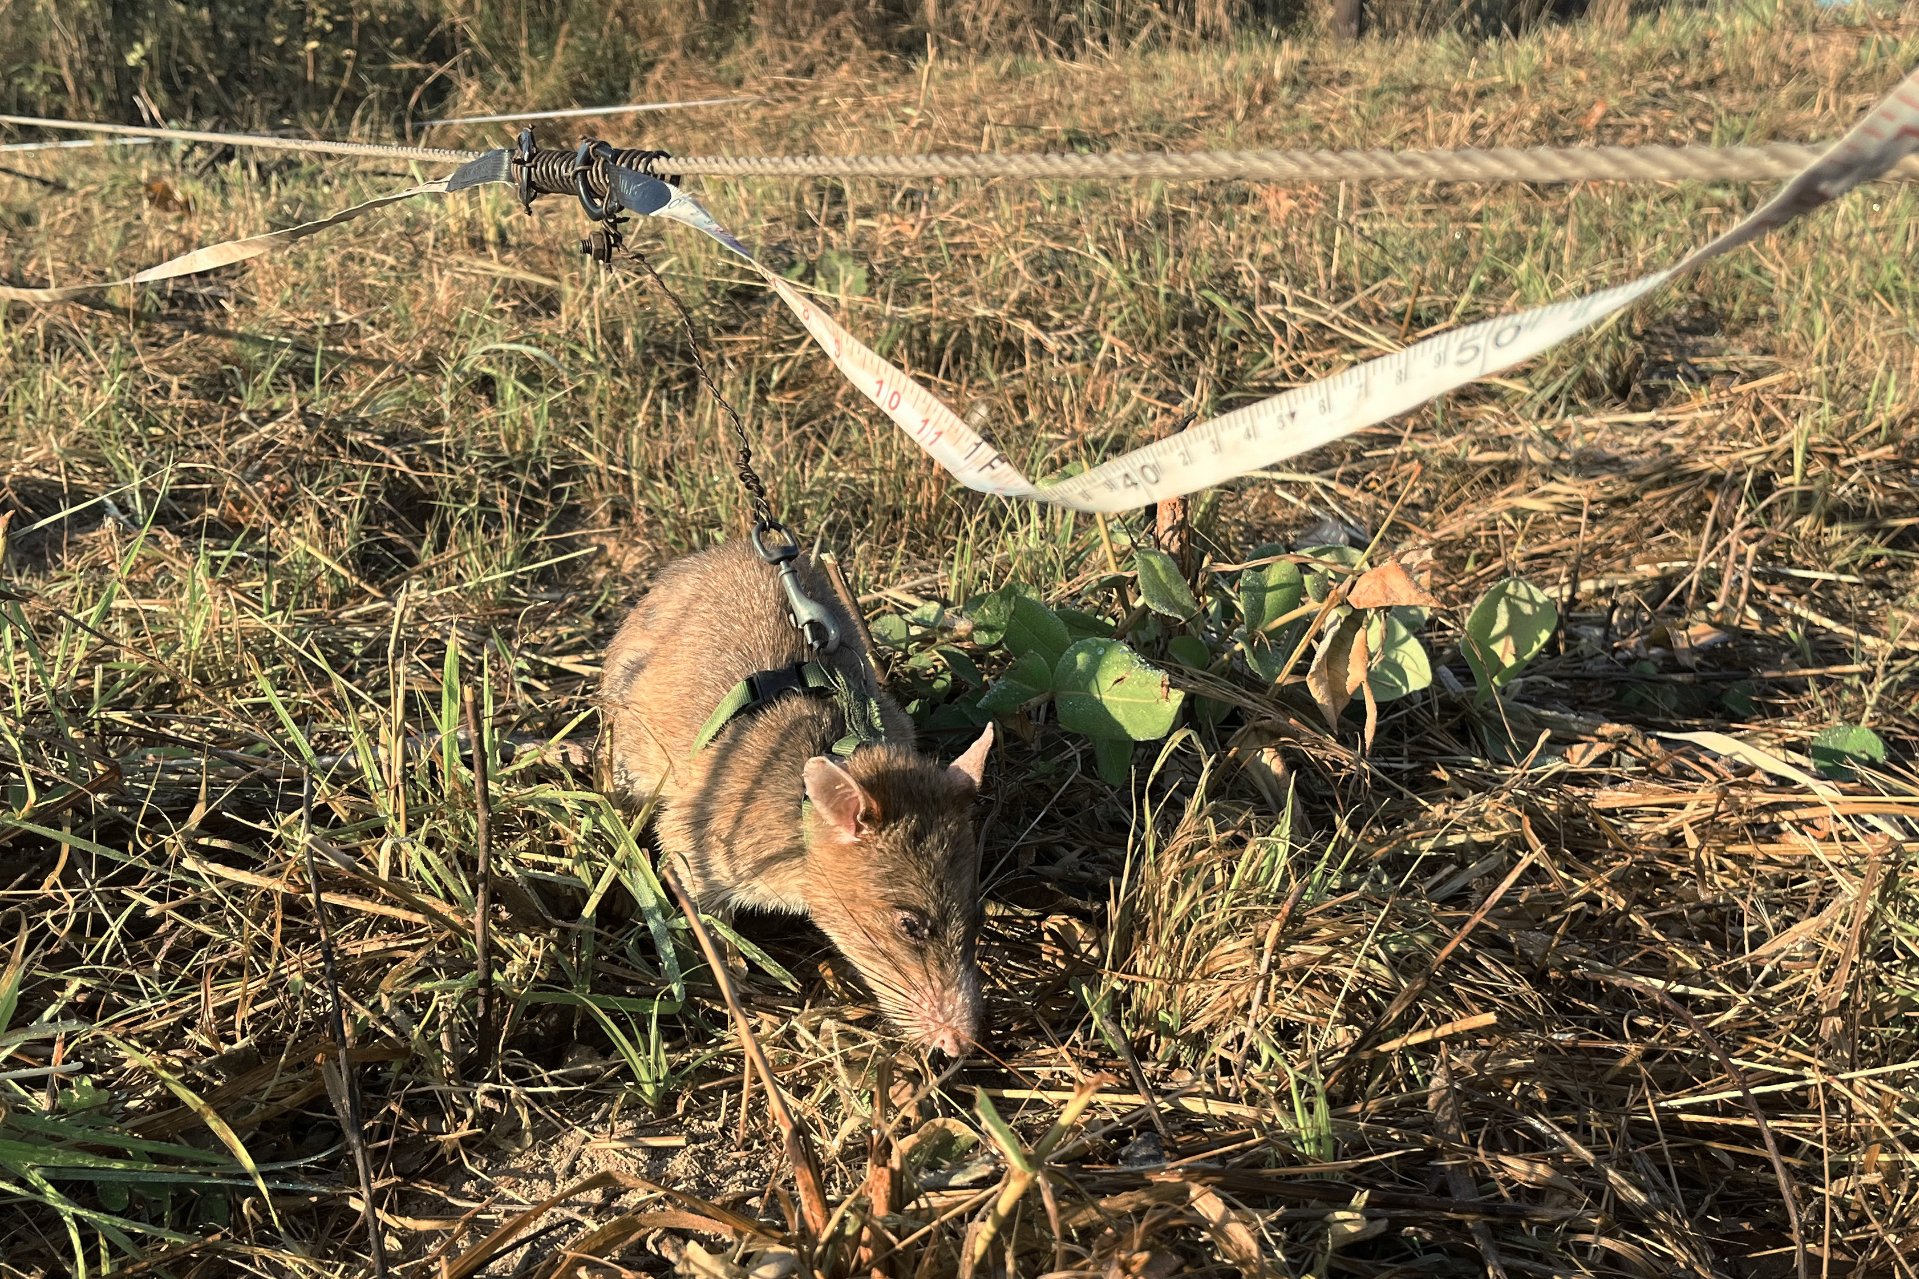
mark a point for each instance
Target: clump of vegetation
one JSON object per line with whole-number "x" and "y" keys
{"x": 1503, "y": 766}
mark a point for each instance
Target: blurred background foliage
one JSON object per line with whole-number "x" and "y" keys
{"x": 384, "y": 65}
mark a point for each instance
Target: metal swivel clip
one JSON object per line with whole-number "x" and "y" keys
{"x": 606, "y": 240}
{"x": 812, "y": 620}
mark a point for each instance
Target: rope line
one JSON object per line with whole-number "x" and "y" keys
{"x": 1498, "y": 164}
{"x": 1493, "y": 164}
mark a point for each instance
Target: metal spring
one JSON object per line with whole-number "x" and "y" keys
{"x": 553, "y": 170}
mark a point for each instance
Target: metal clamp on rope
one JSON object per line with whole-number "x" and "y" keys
{"x": 523, "y": 158}
{"x": 812, "y": 621}
{"x": 649, "y": 162}
{"x": 605, "y": 241}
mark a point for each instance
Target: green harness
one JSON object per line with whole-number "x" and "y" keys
{"x": 859, "y": 709}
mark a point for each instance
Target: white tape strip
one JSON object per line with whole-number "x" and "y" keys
{"x": 490, "y": 167}
{"x": 1273, "y": 430}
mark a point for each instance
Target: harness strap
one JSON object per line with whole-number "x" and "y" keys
{"x": 859, "y": 710}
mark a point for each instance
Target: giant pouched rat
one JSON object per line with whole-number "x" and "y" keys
{"x": 881, "y": 851}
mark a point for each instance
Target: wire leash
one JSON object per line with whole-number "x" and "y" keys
{"x": 604, "y": 244}
{"x": 743, "y": 461}
{"x": 775, "y": 544}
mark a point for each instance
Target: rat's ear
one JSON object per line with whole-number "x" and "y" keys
{"x": 970, "y": 767}
{"x": 839, "y": 800}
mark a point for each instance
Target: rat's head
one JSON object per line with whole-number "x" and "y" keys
{"x": 892, "y": 877}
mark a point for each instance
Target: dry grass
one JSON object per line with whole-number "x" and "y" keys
{"x": 1407, "y": 1011}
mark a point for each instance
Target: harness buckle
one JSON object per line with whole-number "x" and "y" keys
{"x": 809, "y": 617}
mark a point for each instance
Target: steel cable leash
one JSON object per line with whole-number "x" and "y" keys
{"x": 1234, "y": 444}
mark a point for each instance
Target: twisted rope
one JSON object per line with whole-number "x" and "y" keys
{"x": 1493, "y": 164}
{"x": 1498, "y": 164}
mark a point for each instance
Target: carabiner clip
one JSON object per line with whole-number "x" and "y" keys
{"x": 597, "y": 151}
{"x": 812, "y": 621}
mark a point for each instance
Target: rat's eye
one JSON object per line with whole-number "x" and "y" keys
{"x": 913, "y": 927}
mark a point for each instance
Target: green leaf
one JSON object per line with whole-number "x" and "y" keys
{"x": 1268, "y": 593}
{"x": 1190, "y": 651}
{"x": 1032, "y": 627}
{"x": 83, "y": 1095}
{"x": 1320, "y": 582}
{"x": 889, "y": 629}
{"x": 1081, "y": 625}
{"x": 1507, "y": 629}
{"x": 1104, "y": 690}
{"x": 962, "y": 666}
{"x": 955, "y": 717}
{"x": 1028, "y": 678}
{"x": 1401, "y": 667}
{"x": 991, "y": 612}
{"x": 836, "y": 271}
{"x": 1162, "y": 586}
{"x": 1738, "y": 698}
{"x": 1113, "y": 756}
{"x": 1838, "y": 748}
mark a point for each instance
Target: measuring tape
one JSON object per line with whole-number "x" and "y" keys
{"x": 1210, "y": 453}
{"x": 1259, "y": 435}
{"x": 490, "y": 167}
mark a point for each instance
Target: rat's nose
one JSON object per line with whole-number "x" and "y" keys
{"x": 947, "y": 1040}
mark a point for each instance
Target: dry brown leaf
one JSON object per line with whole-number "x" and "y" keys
{"x": 165, "y": 198}
{"x": 1328, "y": 678}
{"x": 1358, "y": 659}
{"x": 1592, "y": 117}
{"x": 1389, "y": 586}
{"x": 1235, "y": 1240}
{"x": 1533, "y": 1172}
{"x": 1372, "y": 712}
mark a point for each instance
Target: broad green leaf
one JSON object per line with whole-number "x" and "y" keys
{"x": 1268, "y": 593}
{"x": 1028, "y": 678}
{"x": 1113, "y": 756}
{"x": 1507, "y": 629}
{"x": 1104, "y": 690}
{"x": 889, "y": 629}
{"x": 1320, "y": 582}
{"x": 1838, "y": 748}
{"x": 1162, "y": 586}
{"x": 1190, "y": 650}
{"x": 990, "y": 613}
{"x": 1032, "y": 627}
{"x": 962, "y": 666}
{"x": 1081, "y": 625}
{"x": 1401, "y": 666}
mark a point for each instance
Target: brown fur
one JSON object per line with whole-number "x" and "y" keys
{"x": 884, "y": 859}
